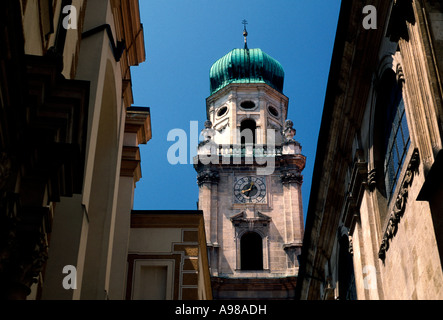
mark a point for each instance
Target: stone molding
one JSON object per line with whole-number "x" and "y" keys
{"x": 372, "y": 179}
{"x": 138, "y": 121}
{"x": 240, "y": 220}
{"x": 208, "y": 176}
{"x": 400, "y": 205}
{"x": 291, "y": 176}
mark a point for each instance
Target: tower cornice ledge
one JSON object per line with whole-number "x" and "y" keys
{"x": 291, "y": 176}
{"x": 296, "y": 161}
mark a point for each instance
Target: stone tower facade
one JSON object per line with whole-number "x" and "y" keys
{"x": 249, "y": 176}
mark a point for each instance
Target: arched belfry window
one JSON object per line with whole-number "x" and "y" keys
{"x": 396, "y": 137}
{"x": 251, "y": 251}
{"x": 247, "y": 131}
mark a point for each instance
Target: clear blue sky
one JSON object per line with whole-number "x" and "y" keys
{"x": 183, "y": 38}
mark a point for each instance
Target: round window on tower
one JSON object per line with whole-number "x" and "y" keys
{"x": 247, "y": 105}
{"x": 222, "y": 111}
{"x": 273, "y": 111}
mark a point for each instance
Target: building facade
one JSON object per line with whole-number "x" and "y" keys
{"x": 249, "y": 175}
{"x": 167, "y": 256}
{"x": 69, "y": 146}
{"x": 374, "y": 221}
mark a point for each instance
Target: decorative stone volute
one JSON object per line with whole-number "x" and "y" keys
{"x": 208, "y": 176}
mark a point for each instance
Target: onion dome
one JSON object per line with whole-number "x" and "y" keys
{"x": 246, "y": 66}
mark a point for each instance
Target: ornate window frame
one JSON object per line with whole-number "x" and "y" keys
{"x": 397, "y": 197}
{"x": 258, "y": 224}
{"x": 250, "y": 101}
{"x": 397, "y": 207}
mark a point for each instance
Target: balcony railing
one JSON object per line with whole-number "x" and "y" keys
{"x": 247, "y": 150}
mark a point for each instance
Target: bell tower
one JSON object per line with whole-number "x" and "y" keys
{"x": 249, "y": 176}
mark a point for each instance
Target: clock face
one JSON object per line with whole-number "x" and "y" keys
{"x": 250, "y": 190}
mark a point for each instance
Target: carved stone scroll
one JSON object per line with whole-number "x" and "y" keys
{"x": 208, "y": 176}
{"x": 399, "y": 206}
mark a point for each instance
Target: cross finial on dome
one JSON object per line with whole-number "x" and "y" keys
{"x": 245, "y": 33}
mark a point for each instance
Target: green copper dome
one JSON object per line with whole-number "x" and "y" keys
{"x": 246, "y": 66}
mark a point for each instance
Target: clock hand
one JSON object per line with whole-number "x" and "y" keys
{"x": 249, "y": 190}
{"x": 253, "y": 187}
